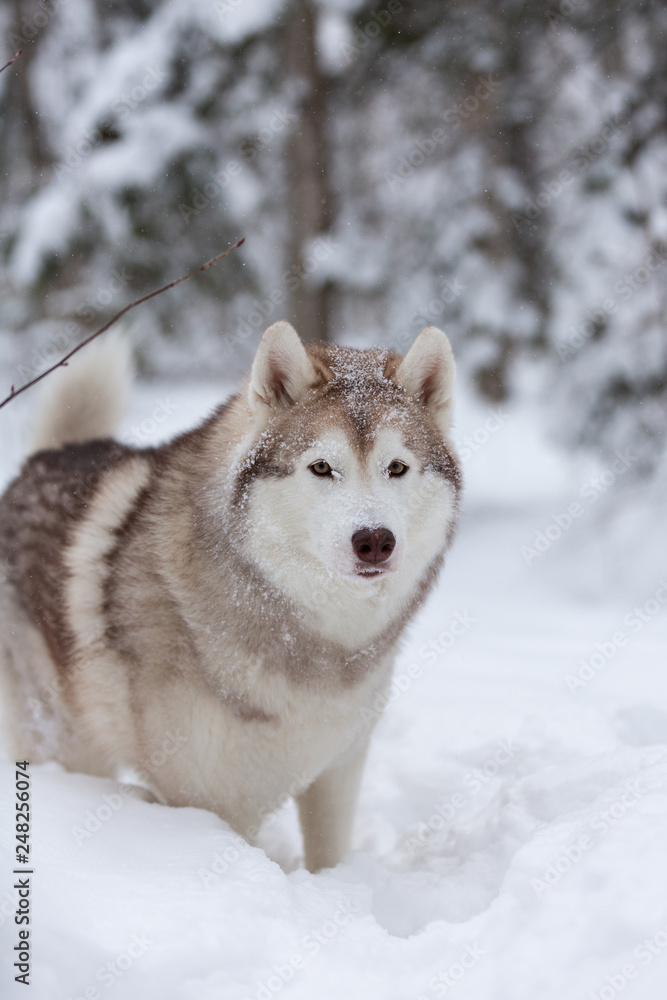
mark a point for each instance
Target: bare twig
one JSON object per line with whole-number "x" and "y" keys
{"x": 11, "y": 61}
{"x": 137, "y": 302}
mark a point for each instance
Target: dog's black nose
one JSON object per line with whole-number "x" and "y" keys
{"x": 373, "y": 545}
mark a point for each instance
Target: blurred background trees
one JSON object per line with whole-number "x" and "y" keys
{"x": 496, "y": 168}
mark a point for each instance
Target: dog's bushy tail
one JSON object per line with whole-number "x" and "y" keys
{"x": 88, "y": 398}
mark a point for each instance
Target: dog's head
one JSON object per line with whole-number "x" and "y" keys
{"x": 349, "y": 473}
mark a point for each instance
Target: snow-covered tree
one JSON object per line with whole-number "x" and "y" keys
{"x": 496, "y": 168}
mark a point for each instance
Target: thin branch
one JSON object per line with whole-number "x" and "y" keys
{"x": 11, "y": 61}
{"x": 172, "y": 284}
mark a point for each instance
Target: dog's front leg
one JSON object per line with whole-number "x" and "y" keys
{"x": 326, "y": 809}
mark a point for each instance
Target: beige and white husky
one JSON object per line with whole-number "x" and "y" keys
{"x": 219, "y": 613}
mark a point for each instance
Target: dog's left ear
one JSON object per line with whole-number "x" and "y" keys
{"x": 427, "y": 373}
{"x": 281, "y": 372}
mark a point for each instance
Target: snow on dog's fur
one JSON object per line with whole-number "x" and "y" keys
{"x": 239, "y": 591}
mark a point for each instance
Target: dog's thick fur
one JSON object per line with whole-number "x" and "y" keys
{"x": 198, "y": 612}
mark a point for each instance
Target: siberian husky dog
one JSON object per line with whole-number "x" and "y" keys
{"x": 220, "y": 613}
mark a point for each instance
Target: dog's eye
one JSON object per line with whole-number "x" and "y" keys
{"x": 321, "y": 468}
{"x": 397, "y": 468}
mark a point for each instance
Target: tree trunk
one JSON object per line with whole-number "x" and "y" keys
{"x": 309, "y": 199}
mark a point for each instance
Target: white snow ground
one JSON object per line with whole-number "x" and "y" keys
{"x": 511, "y": 841}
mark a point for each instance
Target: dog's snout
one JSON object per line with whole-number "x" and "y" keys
{"x": 373, "y": 545}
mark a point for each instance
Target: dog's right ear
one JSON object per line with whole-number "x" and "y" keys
{"x": 281, "y": 372}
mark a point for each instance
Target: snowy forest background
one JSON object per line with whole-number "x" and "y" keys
{"x": 495, "y": 168}
{"x": 498, "y": 169}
